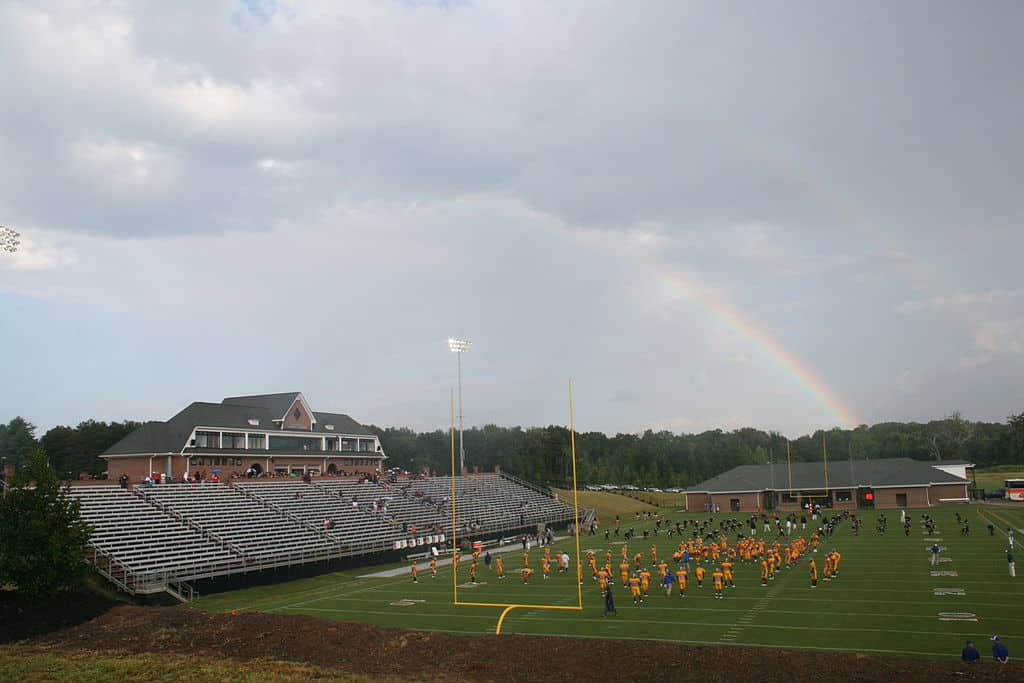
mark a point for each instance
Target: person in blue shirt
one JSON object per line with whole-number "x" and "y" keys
{"x": 686, "y": 559}
{"x": 970, "y": 653}
{"x": 999, "y": 651}
{"x": 609, "y": 603}
{"x": 666, "y": 583}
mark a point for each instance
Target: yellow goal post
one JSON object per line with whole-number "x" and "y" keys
{"x": 508, "y": 607}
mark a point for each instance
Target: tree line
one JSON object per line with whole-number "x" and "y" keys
{"x": 665, "y": 459}
{"x": 71, "y": 451}
{"x": 652, "y": 458}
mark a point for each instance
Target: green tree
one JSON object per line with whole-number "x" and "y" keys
{"x": 1016, "y": 424}
{"x": 42, "y": 536}
{"x": 17, "y": 441}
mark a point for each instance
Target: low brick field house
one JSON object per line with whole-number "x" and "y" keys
{"x": 844, "y": 485}
{"x": 270, "y": 433}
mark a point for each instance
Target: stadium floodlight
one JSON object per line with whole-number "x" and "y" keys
{"x": 459, "y": 347}
{"x": 9, "y": 241}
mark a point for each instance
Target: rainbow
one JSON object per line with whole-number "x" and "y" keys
{"x": 761, "y": 338}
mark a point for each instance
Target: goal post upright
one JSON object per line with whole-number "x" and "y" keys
{"x": 575, "y": 498}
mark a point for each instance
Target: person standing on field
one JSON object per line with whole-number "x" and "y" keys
{"x": 1011, "y": 565}
{"x": 970, "y": 653}
{"x": 935, "y": 553}
{"x": 999, "y": 651}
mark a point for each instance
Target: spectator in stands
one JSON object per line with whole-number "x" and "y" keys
{"x": 123, "y": 481}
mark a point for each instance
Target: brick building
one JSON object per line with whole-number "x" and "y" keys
{"x": 270, "y": 433}
{"x": 844, "y": 485}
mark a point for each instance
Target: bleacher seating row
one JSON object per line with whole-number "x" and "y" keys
{"x": 191, "y": 531}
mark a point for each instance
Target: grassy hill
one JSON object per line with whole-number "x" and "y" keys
{"x": 607, "y": 504}
{"x": 992, "y": 478}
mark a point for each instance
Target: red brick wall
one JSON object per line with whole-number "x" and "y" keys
{"x": 917, "y": 497}
{"x": 137, "y": 469}
{"x": 948, "y": 491}
{"x": 695, "y": 502}
{"x": 303, "y": 421}
{"x": 749, "y": 502}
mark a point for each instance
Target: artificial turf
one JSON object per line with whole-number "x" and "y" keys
{"x": 884, "y": 601}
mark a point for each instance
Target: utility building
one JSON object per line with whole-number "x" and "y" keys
{"x": 842, "y": 485}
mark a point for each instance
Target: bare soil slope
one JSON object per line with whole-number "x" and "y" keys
{"x": 371, "y": 650}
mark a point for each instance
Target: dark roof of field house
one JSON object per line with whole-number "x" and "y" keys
{"x": 811, "y": 476}
{"x": 170, "y": 436}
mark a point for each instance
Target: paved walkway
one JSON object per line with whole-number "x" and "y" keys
{"x": 445, "y": 561}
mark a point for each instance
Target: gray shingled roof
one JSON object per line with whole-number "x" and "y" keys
{"x": 149, "y": 438}
{"x": 170, "y": 436}
{"x": 275, "y": 404}
{"x": 811, "y": 476}
{"x": 343, "y": 424}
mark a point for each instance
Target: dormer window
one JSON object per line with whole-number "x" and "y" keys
{"x": 329, "y": 428}
{"x": 297, "y": 414}
{"x": 254, "y": 422}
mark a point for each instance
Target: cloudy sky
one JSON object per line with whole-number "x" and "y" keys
{"x": 785, "y": 215}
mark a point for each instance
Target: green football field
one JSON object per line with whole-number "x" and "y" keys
{"x": 888, "y": 599}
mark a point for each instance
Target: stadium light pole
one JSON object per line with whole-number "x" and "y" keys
{"x": 9, "y": 241}
{"x": 459, "y": 347}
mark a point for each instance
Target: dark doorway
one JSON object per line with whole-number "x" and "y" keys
{"x": 332, "y": 468}
{"x": 865, "y": 498}
{"x": 255, "y": 467}
{"x": 734, "y": 504}
{"x": 901, "y": 500}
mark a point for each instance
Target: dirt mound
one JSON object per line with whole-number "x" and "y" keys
{"x": 371, "y": 650}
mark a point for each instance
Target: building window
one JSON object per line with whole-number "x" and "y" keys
{"x": 349, "y": 444}
{"x": 232, "y": 440}
{"x": 257, "y": 440}
{"x": 207, "y": 440}
{"x": 366, "y": 445}
{"x": 843, "y": 496}
{"x": 331, "y": 444}
{"x": 294, "y": 443}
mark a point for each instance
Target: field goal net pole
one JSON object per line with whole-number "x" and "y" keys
{"x": 576, "y": 530}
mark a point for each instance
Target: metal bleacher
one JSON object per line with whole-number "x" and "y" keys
{"x": 159, "y": 538}
{"x": 142, "y": 549}
{"x": 389, "y": 503}
{"x": 262, "y": 533}
{"x": 353, "y": 526}
{"x": 493, "y": 502}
